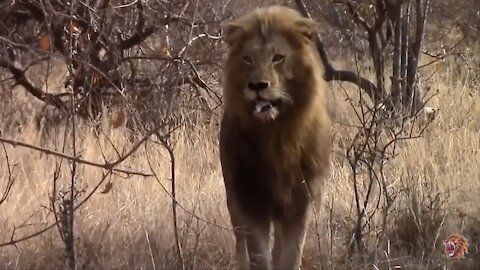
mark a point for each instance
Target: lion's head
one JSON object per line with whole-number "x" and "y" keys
{"x": 269, "y": 63}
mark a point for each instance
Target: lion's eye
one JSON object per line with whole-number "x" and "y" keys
{"x": 277, "y": 58}
{"x": 248, "y": 60}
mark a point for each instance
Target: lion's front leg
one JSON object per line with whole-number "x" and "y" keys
{"x": 258, "y": 237}
{"x": 239, "y": 231}
{"x": 290, "y": 238}
{"x": 251, "y": 236}
{"x": 241, "y": 255}
{"x": 252, "y": 240}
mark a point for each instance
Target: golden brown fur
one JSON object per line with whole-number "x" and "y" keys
{"x": 275, "y": 134}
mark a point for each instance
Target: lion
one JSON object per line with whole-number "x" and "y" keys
{"x": 275, "y": 136}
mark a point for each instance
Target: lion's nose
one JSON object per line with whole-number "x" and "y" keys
{"x": 258, "y": 86}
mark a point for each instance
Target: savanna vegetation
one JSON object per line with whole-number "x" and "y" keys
{"x": 109, "y": 116}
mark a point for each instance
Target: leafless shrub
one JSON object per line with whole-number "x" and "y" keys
{"x": 138, "y": 56}
{"x": 418, "y": 226}
{"x": 390, "y": 35}
{"x": 149, "y": 63}
{"x": 378, "y": 138}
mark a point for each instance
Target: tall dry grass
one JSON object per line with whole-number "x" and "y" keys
{"x": 435, "y": 178}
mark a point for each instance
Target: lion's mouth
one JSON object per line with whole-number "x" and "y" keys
{"x": 262, "y": 106}
{"x": 266, "y": 109}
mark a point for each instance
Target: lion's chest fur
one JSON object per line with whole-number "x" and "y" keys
{"x": 267, "y": 169}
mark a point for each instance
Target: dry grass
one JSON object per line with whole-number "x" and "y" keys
{"x": 131, "y": 226}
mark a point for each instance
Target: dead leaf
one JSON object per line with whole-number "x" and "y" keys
{"x": 44, "y": 42}
{"x": 73, "y": 28}
{"x": 96, "y": 78}
{"x": 165, "y": 52}
{"x": 107, "y": 188}
{"x": 119, "y": 119}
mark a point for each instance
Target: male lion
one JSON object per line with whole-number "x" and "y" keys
{"x": 275, "y": 134}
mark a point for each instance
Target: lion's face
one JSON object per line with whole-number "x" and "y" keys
{"x": 266, "y": 70}
{"x": 264, "y": 63}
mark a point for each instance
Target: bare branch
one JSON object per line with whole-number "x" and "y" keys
{"x": 331, "y": 74}
{"x": 171, "y": 154}
{"x": 21, "y": 79}
{"x": 14, "y": 241}
{"x": 137, "y": 38}
{"x": 109, "y": 166}
{"x": 10, "y": 177}
{"x": 142, "y": 32}
{"x": 157, "y": 178}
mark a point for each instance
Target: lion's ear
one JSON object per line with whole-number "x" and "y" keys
{"x": 307, "y": 27}
{"x": 232, "y": 32}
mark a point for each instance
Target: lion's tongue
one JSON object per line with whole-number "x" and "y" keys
{"x": 261, "y": 106}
